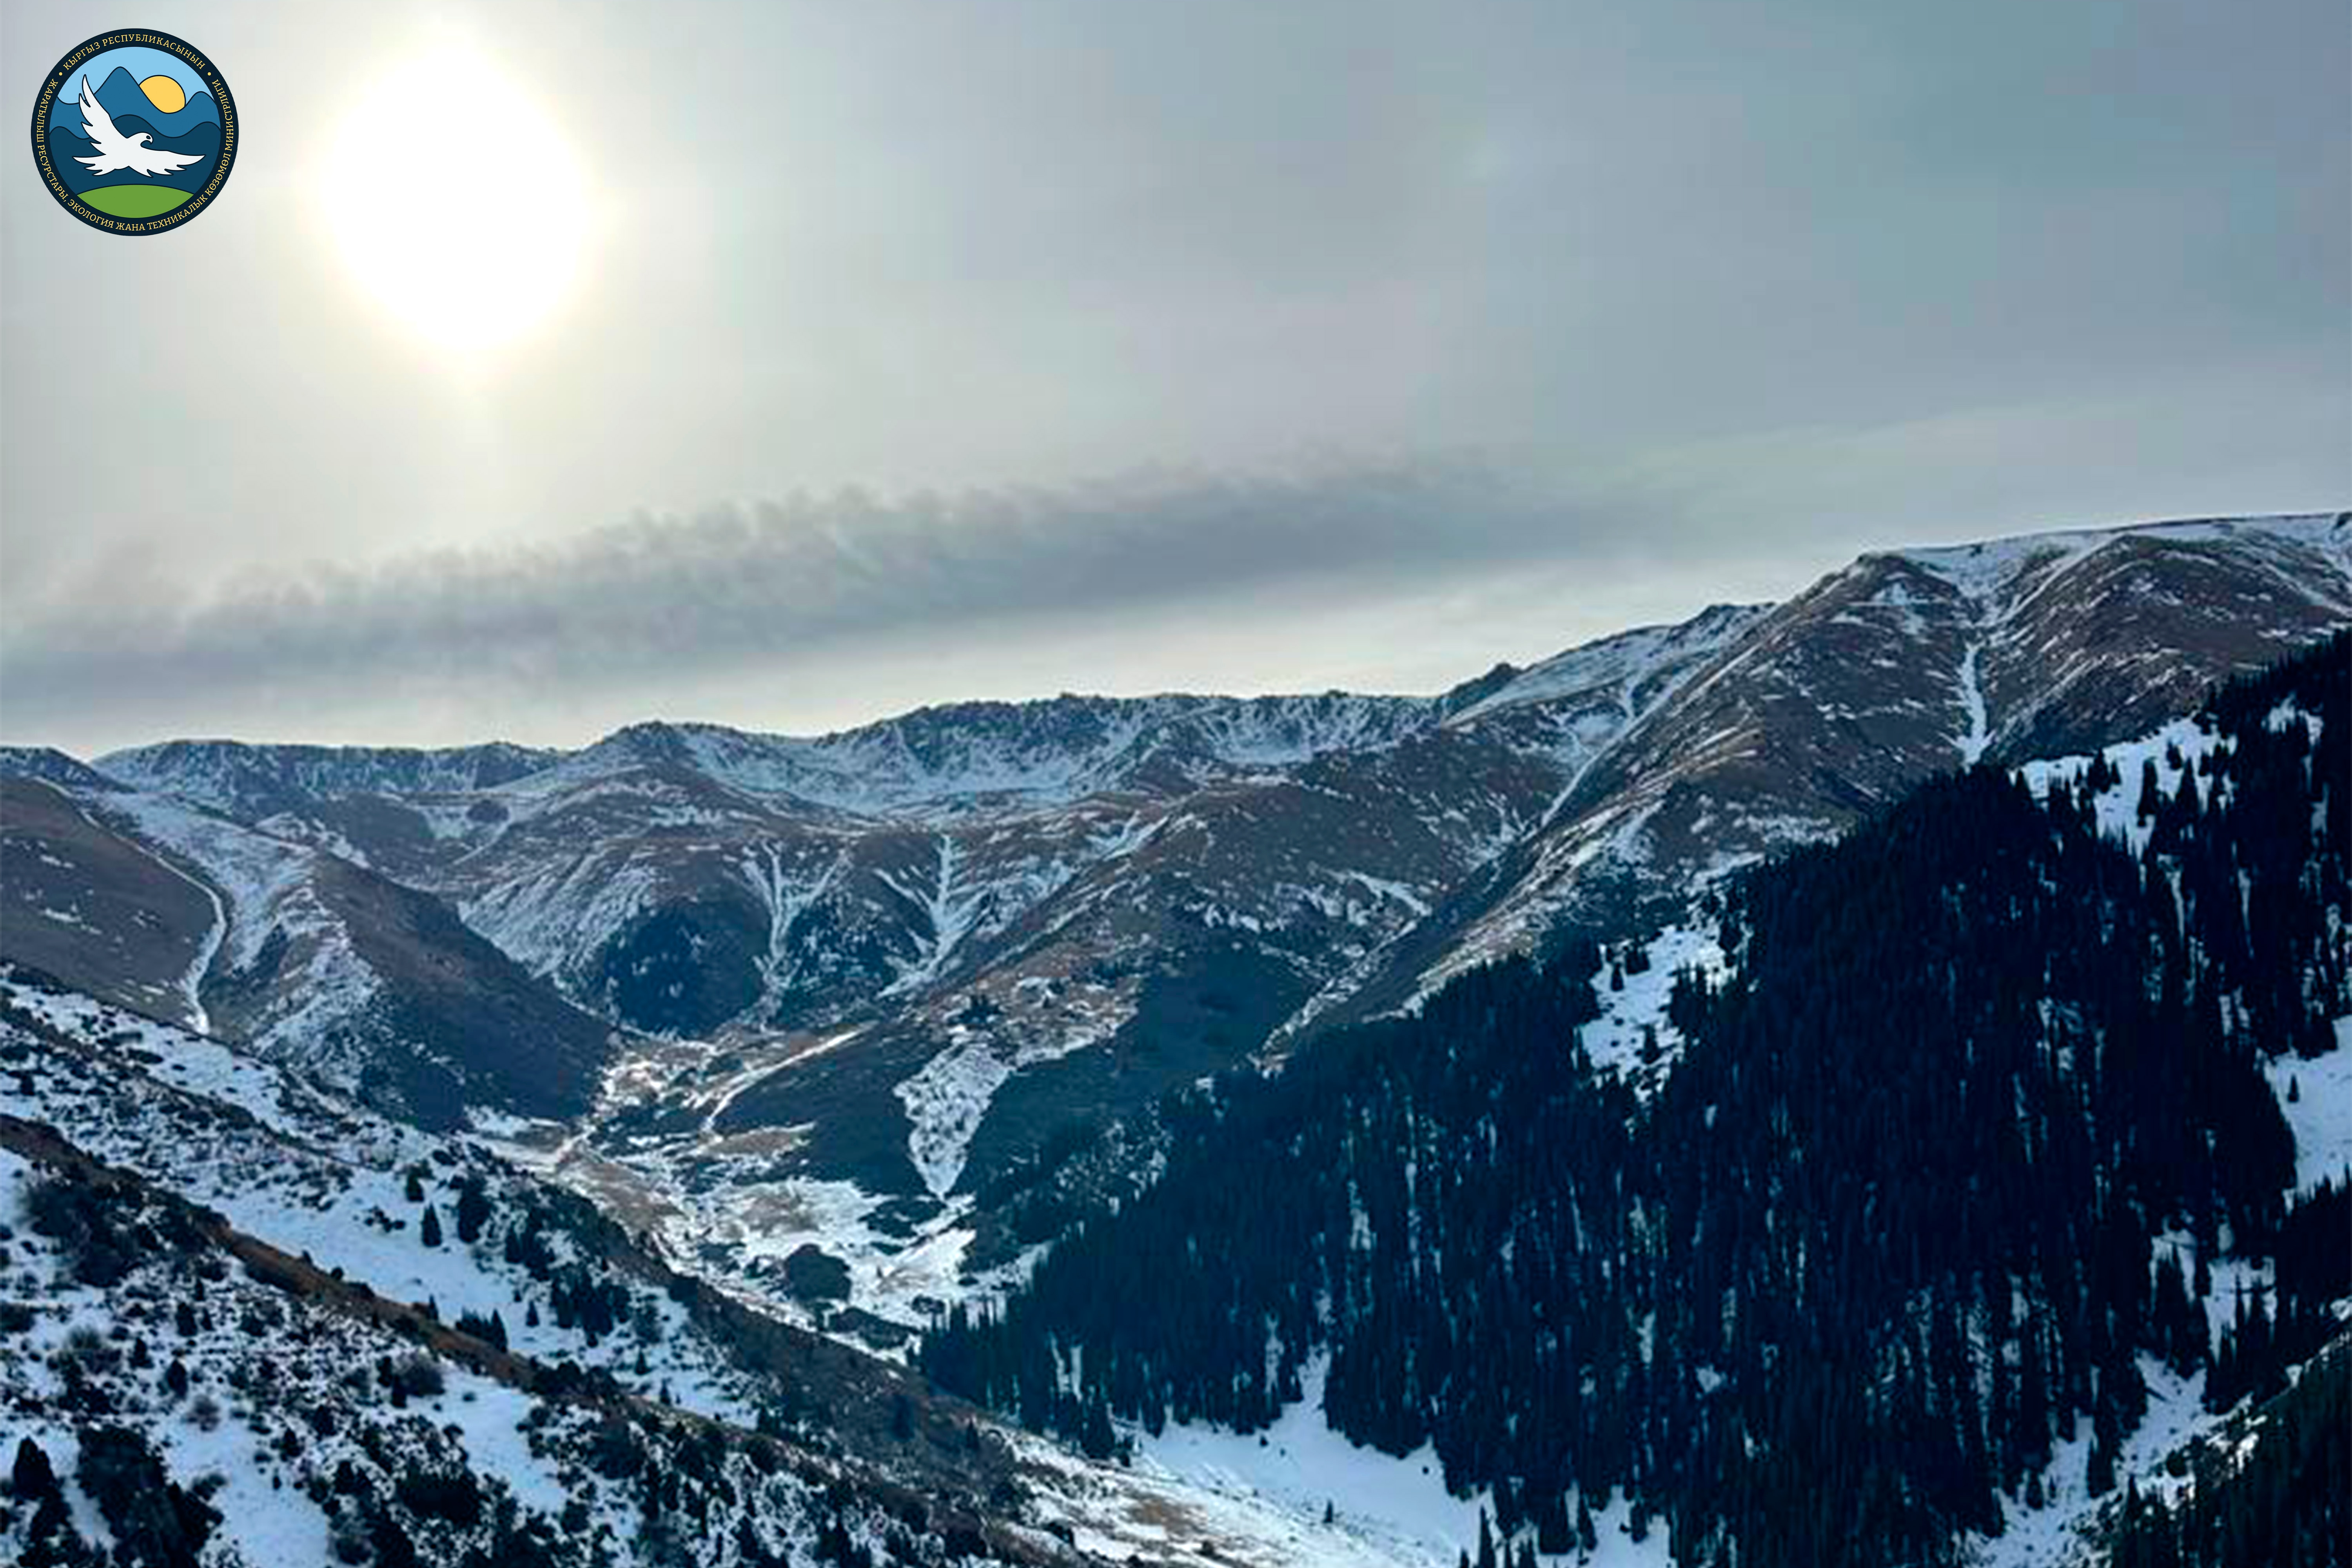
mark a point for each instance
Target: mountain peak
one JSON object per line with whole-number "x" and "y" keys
{"x": 46, "y": 762}
{"x": 252, "y": 780}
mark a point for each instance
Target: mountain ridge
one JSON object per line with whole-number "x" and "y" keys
{"x": 927, "y": 957}
{"x": 2002, "y": 548}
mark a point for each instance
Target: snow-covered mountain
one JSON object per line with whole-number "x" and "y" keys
{"x": 984, "y": 890}
{"x": 847, "y": 1025}
{"x": 310, "y": 1331}
{"x": 1899, "y": 666}
{"x": 244, "y": 1322}
{"x": 948, "y": 760}
{"x": 2027, "y": 1019}
{"x": 255, "y": 782}
{"x": 308, "y": 957}
{"x": 909, "y": 963}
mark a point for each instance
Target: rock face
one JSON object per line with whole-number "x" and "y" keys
{"x": 931, "y": 947}
{"x": 1899, "y": 666}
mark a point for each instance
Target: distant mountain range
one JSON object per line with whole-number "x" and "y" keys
{"x": 194, "y": 130}
{"x": 1990, "y": 1165}
{"x": 122, "y": 97}
{"x": 918, "y": 955}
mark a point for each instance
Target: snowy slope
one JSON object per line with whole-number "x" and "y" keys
{"x": 1904, "y": 664}
{"x": 1633, "y": 1035}
{"x": 251, "y": 782}
{"x": 2315, "y": 1097}
{"x": 319, "y": 1177}
{"x": 262, "y": 887}
{"x": 324, "y": 1182}
{"x": 280, "y": 1419}
{"x": 1023, "y": 917}
{"x": 1383, "y": 1507}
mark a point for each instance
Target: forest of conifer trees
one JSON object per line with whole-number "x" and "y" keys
{"x": 1949, "y": 1165}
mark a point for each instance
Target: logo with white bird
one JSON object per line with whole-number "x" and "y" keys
{"x": 134, "y": 132}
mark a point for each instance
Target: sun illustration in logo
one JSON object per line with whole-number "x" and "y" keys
{"x": 165, "y": 93}
{"x": 134, "y": 132}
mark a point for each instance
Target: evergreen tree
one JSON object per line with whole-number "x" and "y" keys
{"x": 473, "y": 1209}
{"x": 1904, "y": 1210}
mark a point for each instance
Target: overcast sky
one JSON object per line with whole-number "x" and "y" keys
{"x": 932, "y": 351}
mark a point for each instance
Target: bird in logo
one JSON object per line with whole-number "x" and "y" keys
{"x": 116, "y": 151}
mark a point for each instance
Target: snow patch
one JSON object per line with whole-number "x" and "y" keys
{"x": 2320, "y": 1115}
{"x": 1635, "y": 1016}
{"x": 951, "y": 910}
{"x": 1977, "y": 736}
{"x": 948, "y": 1095}
{"x": 1383, "y": 1509}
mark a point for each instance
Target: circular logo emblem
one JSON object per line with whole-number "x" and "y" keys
{"x": 134, "y": 132}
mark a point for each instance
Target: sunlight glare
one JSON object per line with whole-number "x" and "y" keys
{"x": 456, "y": 201}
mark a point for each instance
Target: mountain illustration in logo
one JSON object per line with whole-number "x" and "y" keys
{"x": 100, "y": 157}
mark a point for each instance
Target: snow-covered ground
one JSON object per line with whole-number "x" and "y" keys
{"x": 324, "y": 1179}
{"x": 1261, "y": 1500}
{"x": 1972, "y": 740}
{"x": 722, "y": 1206}
{"x": 1300, "y": 1463}
{"x": 304, "y": 1425}
{"x": 1634, "y": 1017}
{"x": 269, "y": 886}
{"x": 2320, "y": 1114}
{"x": 2117, "y": 807}
{"x": 949, "y": 1097}
{"x": 546, "y": 919}
{"x": 2052, "y": 1536}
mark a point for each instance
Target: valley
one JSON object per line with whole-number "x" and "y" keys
{"x": 813, "y": 1046}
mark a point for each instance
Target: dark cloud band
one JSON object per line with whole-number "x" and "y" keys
{"x": 768, "y": 581}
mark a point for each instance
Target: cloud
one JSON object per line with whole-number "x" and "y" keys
{"x": 1401, "y": 574}
{"x": 1728, "y": 292}
{"x": 765, "y": 582}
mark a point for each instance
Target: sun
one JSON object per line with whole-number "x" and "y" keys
{"x": 456, "y": 203}
{"x": 164, "y": 94}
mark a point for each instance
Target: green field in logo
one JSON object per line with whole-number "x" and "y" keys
{"x": 133, "y": 201}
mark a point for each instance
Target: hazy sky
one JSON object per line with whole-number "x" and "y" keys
{"x": 940, "y": 350}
